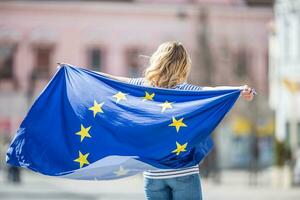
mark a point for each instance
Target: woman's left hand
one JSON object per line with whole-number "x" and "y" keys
{"x": 247, "y": 93}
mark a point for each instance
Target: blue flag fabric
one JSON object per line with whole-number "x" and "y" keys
{"x": 87, "y": 126}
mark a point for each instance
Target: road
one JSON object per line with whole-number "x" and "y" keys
{"x": 234, "y": 186}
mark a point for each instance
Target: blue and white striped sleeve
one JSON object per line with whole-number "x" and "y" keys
{"x": 190, "y": 87}
{"x": 196, "y": 88}
{"x": 136, "y": 81}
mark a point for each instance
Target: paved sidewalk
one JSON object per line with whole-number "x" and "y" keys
{"x": 36, "y": 186}
{"x": 234, "y": 187}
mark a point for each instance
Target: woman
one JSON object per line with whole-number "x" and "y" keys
{"x": 169, "y": 68}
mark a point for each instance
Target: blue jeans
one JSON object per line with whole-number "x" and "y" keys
{"x": 179, "y": 188}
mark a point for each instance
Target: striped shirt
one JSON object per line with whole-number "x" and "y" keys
{"x": 181, "y": 86}
{"x": 170, "y": 173}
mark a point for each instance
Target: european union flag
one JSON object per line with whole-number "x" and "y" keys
{"x": 87, "y": 126}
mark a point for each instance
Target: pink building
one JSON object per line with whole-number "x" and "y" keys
{"x": 227, "y": 40}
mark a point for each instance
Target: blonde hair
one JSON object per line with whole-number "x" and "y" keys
{"x": 169, "y": 65}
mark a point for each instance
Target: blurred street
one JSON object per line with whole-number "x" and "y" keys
{"x": 234, "y": 185}
{"x": 229, "y": 42}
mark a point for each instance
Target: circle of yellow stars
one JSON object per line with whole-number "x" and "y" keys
{"x": 96, "y": 109}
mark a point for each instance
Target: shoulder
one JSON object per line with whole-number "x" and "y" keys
{"x": 186, "y": 86}
{"x": 136, "y": 81}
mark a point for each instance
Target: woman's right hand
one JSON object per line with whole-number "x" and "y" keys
{"x": 248, "y": 93}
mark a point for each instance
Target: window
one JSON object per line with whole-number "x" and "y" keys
{"x": 260, "y": 2}
{"x": 286, "y": 38}
{"x": 95, "y": 59}
{"x": 133, "y": 62}
{"x": 241, "y": 63}
{"x": 42, "y": 65}
{"x": 7, "y": 53}
{"x": 288, "y": 131}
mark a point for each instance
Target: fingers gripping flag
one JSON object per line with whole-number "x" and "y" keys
{"x": 87, "y": 126}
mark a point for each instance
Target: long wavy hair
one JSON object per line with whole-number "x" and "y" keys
{"x": 169, "y": 65}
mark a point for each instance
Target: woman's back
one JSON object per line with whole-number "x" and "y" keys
{"x": 170, "y": 173}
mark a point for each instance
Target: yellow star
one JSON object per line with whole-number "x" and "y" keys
{"x": 177, "y": 123}
{"x": 148, "y": 96}
{"x": 96, "y": 108}
{"x": 82, "y": 159}
{"x": 180, "y": 148}
{"x": 165, "y": 106}
{"x": 120, "y": 96}
{"x": 121, "y": 171}
{"x": 84, "y": 132}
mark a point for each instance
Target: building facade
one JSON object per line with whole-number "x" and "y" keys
{"x": 284, "y": 77}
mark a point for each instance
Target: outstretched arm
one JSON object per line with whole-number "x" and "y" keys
{"x": 247, "y": 93}
{"x": 119, "y": 78}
